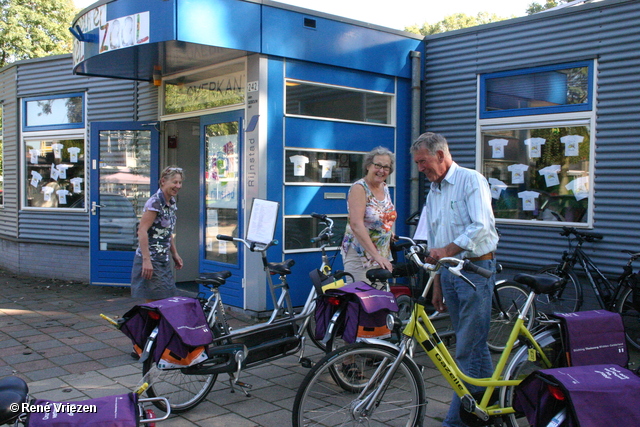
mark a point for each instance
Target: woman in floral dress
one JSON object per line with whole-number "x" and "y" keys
{"x": 367, "y": 238}
{"x": 151, "y": 276}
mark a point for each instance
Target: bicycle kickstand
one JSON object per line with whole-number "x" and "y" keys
{"x": 244, "y": 387}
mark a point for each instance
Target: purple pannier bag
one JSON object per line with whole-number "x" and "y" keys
{"x": 368, "y": 308}
{"x": 595, "y": 396}
{"x": 182, "y": 325}
{"x": 109, "y": 411}
{"x": 594, "y": 337}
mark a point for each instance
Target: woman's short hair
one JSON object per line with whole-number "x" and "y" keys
{"x": 378, "y": 151}
{"x": 170, "y": 171}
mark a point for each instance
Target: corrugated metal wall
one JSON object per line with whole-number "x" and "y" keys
{"x": 106, "y": 99}
{"x": 9, "y": 211}
{"x": 607, "y": 31}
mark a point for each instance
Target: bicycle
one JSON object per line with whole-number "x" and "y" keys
{"x": 18, "y": 408}
{"x": 506, "y": 305}
{"x": 616, "y": 297}
{"x": 389, "y": 389}
{"x": 231, "y": 351}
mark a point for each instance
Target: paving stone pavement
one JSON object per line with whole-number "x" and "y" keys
{"x": 51, "y": 335}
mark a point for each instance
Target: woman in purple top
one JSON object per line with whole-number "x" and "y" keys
{"x": 151, "y": 276}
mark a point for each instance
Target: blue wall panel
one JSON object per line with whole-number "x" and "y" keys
{"x": 303, "y": 200}
{"x": 324, "y": 134}
{"x": 224, "y": 23}
{"x": 352, "y": 46}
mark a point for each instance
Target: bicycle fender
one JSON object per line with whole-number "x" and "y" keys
{"x": 379, "y": 342}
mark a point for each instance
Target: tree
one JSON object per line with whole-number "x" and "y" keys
{"x": 537, "y": 7}
{"x": 34, "y": 28}
{"x": 455, "y": 22}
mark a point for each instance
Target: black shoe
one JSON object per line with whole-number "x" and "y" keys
{"x": 135, "y": 355}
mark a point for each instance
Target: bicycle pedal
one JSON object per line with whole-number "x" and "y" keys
{"x": 305, "y": 362}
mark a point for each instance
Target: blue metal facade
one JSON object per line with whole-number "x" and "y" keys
{"x": 606, "y": 32}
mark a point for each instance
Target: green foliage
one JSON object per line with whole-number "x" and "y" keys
{"x": 455, "y": 22}
{"x": 549, "y": 4}
{"x": 34, "y": 29}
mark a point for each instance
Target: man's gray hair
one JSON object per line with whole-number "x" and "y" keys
{"x": 378, "y": 151}
{"x": 432, "y": 142}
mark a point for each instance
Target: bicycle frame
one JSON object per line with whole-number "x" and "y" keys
{"x": 433, "y": 346}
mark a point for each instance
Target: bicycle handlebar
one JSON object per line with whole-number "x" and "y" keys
{"x": 587, "y": 236}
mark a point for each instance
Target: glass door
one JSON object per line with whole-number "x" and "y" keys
{"x": 222, "y": 195}
{"x": 124, "y": 160}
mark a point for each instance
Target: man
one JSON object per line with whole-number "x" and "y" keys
{"x": 457, "y": 221}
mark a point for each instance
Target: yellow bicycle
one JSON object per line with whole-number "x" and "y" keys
{"x": 388, "y": 387}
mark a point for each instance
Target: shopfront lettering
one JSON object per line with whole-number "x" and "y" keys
{"x": 222, "y": 85}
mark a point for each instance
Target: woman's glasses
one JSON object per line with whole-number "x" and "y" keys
{"x": 175, "y": 169}
{"x": 379, "y": 166}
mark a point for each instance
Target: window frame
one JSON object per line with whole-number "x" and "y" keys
{"x": 1, "y": 155}
{"x": 391, "y": 113}
{"x": 54, "y": 135}
{"x": 567, "y": 108}
{"x": 80, "y": 125}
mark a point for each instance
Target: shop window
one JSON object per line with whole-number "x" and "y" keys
{"x": 323, "y": 167}
{"x": 539, "y": 173}
{"x": 55, "y": 172}
{"x": 211, "y": 88}
{"x": 53, "y": 112}
{"x": 1, "y": 159}
{"x": 337, "y": 103}
{"x": 300, "y": 231}
{"x": 542, "y": 90}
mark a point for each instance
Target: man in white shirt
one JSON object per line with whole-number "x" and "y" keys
{"x": 458, "y": 222}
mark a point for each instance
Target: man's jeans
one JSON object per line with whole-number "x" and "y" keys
{"x": 470, "y": 312}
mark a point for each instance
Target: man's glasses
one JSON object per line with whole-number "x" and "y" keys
{"x": 379, "y": 166}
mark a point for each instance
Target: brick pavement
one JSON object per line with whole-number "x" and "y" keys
{"x": 51, "y": 335}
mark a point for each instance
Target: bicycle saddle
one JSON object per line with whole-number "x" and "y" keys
{"x": 13, "y": 390}
{"x": 379, "y": 275}
{"x": 282, "y": 268}
{"x": 214, "y": 279}
{"x": 540, "y": 284}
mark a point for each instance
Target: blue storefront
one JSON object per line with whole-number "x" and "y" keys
{"x": 254, "y": 99}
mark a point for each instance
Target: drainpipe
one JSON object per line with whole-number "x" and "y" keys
{"x": 416, "y": 93}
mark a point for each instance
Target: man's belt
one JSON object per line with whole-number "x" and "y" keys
{"x": 484, "y": 257}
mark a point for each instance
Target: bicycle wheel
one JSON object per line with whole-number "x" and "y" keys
{"x": 183, "y": 391}
{"x": 630, "y": 317}
{"x": 567, "y": 299}
{"x": 521, "y": 366}
{"x": 508, "y": 299}
{"x": 320, "y": 401}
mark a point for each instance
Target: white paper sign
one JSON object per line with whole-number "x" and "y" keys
{"x": 35, "y": 178}
{"x": 517, "y": 173}
{"x": 550, "y": 174}
{"x": 73, "y": 153}
{"x": 497, "y": 146}
{"x": 496, "y": 187}
{"x": 572, "y": 144}
{"x": 299, "y": 163}
{"x": 535, "y": 146}
{"x": 327, "y": 167}
{"x": 528, "y": 200}
{"x": 62, "y": 196}
{"x": 262, "y": 222}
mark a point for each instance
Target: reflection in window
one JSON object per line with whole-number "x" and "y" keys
{"x": 55, "y": 173}
{"x": 313, "y": 100}
{"x": 222, "y": 169}
{"x": 564, "y": 88}
{"x": 539, "y": 173}
{"x": 300, "y": 231}
{"x": 54, "y": 111}
{"x": 305, "y": 166}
